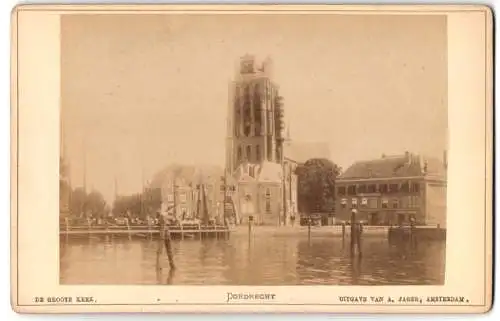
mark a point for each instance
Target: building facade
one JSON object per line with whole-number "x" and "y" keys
{"x": 264, "y": 181}
{"x": 181, "y": 188}
{"x": 394, "y": 190}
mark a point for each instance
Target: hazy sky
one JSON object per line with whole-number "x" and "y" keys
{"x": 150, "y": 90}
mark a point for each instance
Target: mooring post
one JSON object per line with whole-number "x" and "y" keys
{"x": 355, "y": 234}
{"x": 250, "y": 223}
{"x": 359, "y": 237}
{"x": 165, "y": 238}
{"x": 309, "y": 228}
{"x": 168, "y": 247}
{"x": 128, "y": 228}
{"x": 89, "y": 225}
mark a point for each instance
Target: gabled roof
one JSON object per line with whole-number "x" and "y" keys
{"x": 187, "y": 174}
{"x": 408, "y": 165}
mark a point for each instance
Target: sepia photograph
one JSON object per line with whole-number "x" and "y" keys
{"x": 251, "y": 158}
{"x": 258, "y": 154}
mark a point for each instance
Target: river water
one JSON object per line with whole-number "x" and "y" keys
{"x": 263, "y": 260}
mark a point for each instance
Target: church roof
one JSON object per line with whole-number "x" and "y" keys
{"x": 187, "y": 174}
{"x": 406, "y": 165}
{"x": 263, "y": 172}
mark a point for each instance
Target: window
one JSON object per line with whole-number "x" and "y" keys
{"x": 251, "y": 171}
{"x": 395, "y": 203}
{"x": 385, "y": 203}
{"x": 383, "y": 188}
{"x": 361, "y": 189}
{"x": 393, "y": 188}
{"x": 414, "y": 200}
{"x": 257, "y": 153}
{"x": 405, "y": 187}
{"x": 354, "y": 203}
{"x": 249, "y": 152}
{"x": 182, "y": 197}
{"x": 343, "y": 203}
{"x": 372, "y": 188}
{"x": 170, "y": 197}
{"x": 415, "y": 187}
{"x": 239, "y": 153}
{"x": 341, "y": 190}
{"x": 268, "y": 200}
{"x": 364, "y": 202}
{"x": 351, "y": 190}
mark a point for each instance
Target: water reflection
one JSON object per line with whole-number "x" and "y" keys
{"x": 263, "y": 260}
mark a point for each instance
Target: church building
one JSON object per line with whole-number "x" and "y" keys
{"x": 264, "y": 185}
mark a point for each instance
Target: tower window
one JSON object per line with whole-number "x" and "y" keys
{"x": 249, "y": 152}
{"x": 239, "y": 153}
{"x": 257, "y": 153}
{"x": 268, "y": 200}
{"x": 257, "y": 110}
{"x": 269, "y": 148}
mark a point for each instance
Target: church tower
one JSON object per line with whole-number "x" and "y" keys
{"x": 256, "y": 124}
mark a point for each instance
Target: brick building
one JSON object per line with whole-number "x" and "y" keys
{"x": 394, "y": 190}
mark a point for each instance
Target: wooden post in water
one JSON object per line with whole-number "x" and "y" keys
{"x": 168, "y": 245}
{"x": 66, "y": 220}
{"x": 129, "y": 230}
{"x": 250, "y": 224}
{"x": 309, "y": 228}
{"x": 89, "y": 225}
{"x": 355, "y": 235}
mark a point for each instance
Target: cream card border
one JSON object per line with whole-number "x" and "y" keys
{"x": 35, "y": 156}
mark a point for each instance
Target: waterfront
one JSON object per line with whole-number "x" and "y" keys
{"x": 264, "y": 260}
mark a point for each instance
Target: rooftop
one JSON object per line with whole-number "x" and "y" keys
{"x": 406, "y": 165}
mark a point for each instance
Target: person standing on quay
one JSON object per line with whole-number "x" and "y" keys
{"x": 165, "y": 239}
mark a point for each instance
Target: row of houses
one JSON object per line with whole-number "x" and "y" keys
{"x": 393, "y": 190}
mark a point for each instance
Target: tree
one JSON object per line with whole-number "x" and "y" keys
{"x": 77, "y": 203}
{"x": 95, "y": 204}
{"x": 82, "y": 204}
{"x": 316, "y": 185}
